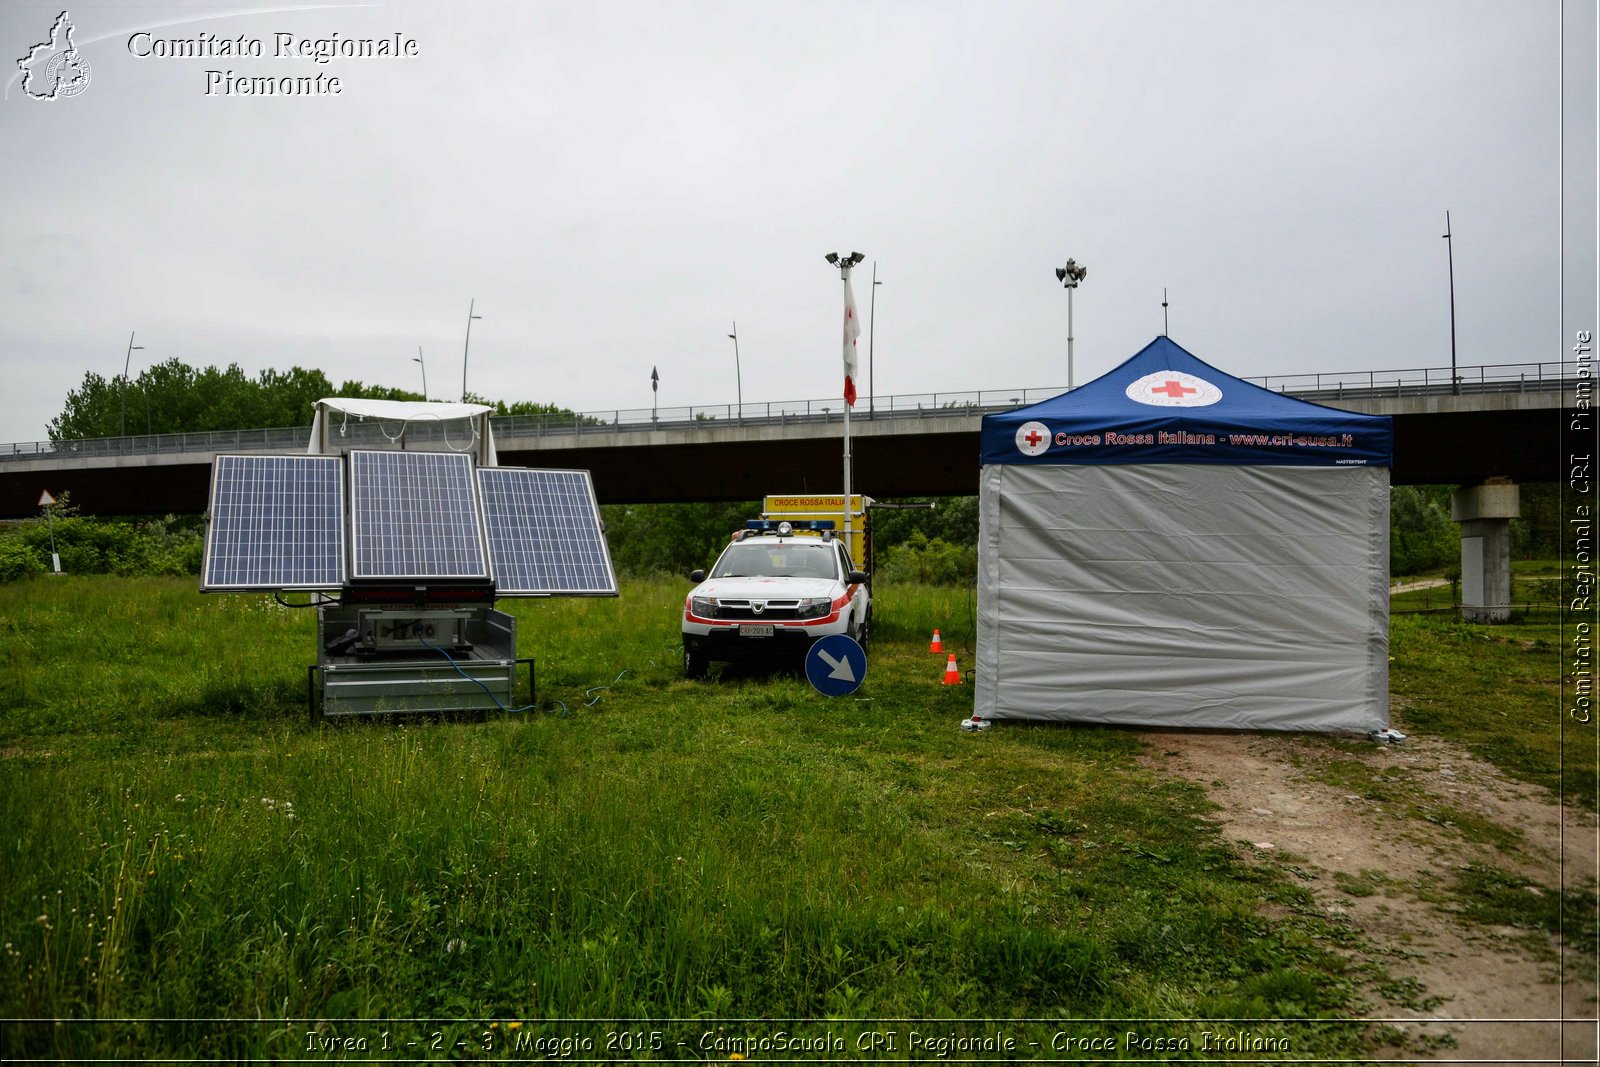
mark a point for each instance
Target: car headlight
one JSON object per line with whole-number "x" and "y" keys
{"x": 813, "y": 607}
{"x": 703, "y": 606}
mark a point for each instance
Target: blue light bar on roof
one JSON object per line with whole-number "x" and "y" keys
{"x": 771, "y": 526}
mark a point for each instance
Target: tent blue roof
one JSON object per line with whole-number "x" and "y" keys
{"x": 1165, "y": 405}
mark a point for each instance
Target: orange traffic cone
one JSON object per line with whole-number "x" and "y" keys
{"x": 951, "y": 675}
{"x": 937, "y": 645}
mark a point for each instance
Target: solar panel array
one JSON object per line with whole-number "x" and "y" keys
{"x": 545, "y": 535}
{"x": 277, "y": 522}
{"x": 415, "y": 515}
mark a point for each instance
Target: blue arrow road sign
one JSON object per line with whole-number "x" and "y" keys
{"x": 836, "y": 665}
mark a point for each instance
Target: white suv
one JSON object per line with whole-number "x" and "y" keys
{"x": 774, "y": 590}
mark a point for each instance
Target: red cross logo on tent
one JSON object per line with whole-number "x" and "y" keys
{"x": 1033, "y": 438}
{"x": 1174, "y": 389}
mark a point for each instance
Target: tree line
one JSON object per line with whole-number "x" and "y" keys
{"x": 173, "y": 397}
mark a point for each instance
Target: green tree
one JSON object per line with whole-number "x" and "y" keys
{"x": 173, "y": 397}
{"x": 647, "y": 539}
{"x": 1421, "y": 535}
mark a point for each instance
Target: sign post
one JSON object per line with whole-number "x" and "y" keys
{"x": 47, "y": 502}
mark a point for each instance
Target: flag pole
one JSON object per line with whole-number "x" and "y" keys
{"x": 848, "y": 544}
{"x": 852, "y": 329}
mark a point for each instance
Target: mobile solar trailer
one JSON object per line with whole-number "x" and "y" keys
{"x": 418, "y": 546}
{"x": 424, "y": 650}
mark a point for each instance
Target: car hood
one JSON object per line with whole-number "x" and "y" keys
{"x": 768, "y": 588}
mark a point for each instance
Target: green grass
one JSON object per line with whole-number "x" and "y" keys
{"x": 179, "y": 844}
{"x": 1497, "y": 690}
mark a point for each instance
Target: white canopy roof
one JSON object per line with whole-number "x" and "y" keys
{"x": 431, "y": 420}
{"x": 403, "y": 410}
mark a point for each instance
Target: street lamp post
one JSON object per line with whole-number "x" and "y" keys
{"x": 126, "y": 362}
{"x": 1070, "y": 276}
{"x": 872, "y": 322}
{"x": 464, "y": 346}
{"x": 738, "y": 375}
{"x": 424, "y": 366}
{"x": 1450, "y": 253}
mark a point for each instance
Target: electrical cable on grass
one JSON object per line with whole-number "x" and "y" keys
{"x": 475, "y": 681}
{"x": 598, "y": 688}
{"x": 322, "y": 598}
{"x": 530, "y": 707}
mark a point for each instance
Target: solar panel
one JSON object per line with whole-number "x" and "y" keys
{"x": 544, "y": 532}
{"x": 276, "y": 522}
{"x": 415, "y": 515}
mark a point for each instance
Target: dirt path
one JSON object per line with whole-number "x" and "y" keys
{"x": 1468, "y": 993}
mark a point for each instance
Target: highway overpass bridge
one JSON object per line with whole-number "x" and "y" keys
{"x": 1502, "y": 421}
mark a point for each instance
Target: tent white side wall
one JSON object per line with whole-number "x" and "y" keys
{"x": 1234, "y": 597}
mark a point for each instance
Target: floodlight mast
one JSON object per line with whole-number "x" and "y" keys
{"x": 418, "y": 360}
{"x": 1069, "y": 276}
{"x": 845, "y": 263}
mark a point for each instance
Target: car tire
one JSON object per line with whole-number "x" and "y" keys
{"x": 695, "y": 664}
{"x": 863, "y": 632}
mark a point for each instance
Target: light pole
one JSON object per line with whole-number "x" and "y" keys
{"x": 1164, "y": 326}
{"x": 872, "y": 321}
{"x": 852, "y": 329}
{"x": 1070, "y": 276}
{"x": 1450, "y": 253}
{"x": 126, "y": 362}
{"x": 424, "y": 366}
{"x": 738, "y": 376}
{"x": 465, "y": 344}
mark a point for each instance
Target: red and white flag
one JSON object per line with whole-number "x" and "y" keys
{"x": 852, "y": 330}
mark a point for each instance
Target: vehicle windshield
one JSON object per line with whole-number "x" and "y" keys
{"x": 786, "y": 559}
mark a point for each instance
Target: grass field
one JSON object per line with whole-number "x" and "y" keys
{"x": 189, "y": 869}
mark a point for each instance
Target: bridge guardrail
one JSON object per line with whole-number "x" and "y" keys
{"x": 1318, "y": 387}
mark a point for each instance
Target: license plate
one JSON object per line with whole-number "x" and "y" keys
{"x": 756, "y": 630}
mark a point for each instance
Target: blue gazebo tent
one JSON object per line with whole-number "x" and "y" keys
{"x": 1171, "y": 546}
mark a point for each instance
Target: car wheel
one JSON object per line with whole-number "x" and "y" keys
{"x": 863, "y": 632}
{"x": 695, "y": 664}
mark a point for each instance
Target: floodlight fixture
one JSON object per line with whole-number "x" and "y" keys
{"x": 1071, "y": 274}
{"x": 832, "y": 257}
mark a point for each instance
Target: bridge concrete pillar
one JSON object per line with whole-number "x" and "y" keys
{"x": 1485, "y": 513}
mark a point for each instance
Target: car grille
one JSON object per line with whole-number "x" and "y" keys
{"x": 774, "y": 611}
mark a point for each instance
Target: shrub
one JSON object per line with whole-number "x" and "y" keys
{"x": 930, "y": 562}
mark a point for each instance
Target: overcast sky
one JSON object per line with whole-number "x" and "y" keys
{"x": 616, "y": 183}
